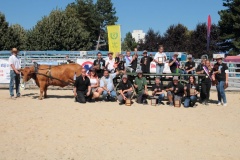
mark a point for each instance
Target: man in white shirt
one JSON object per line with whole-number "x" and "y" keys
{"x": 160, "y": 58}
{"x": 128, "y": 59}
{"x": 15, "y": 66}
{"x": 110, "y": 63}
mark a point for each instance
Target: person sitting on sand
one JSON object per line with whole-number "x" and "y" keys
{"x": 125, "y": 89}
{"x": 158, "y": 90}
{"x": 106, "y": 83}
{"x": 94, "y": 80}
{"x": 191, "y": 90}
{"x": 82, "y": 88}
{"x": 140, "y": 84}
{"x": 175, "y": 91}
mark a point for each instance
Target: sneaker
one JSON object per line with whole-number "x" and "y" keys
{"x": 18, "y": 96}
{"x": 219, "y": 104}
{"x": 121, "y": 103}
{"x": 12, "y": 97}
{"x": 171, "y": 104}
{"x": 91, "y": 100}
{"x": 206, "y": 103}
{"x": 145, "y": 102}
{"x": 225, "y": 104}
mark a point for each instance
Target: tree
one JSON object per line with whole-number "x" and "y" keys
{"x": 230, "y": 26}
{"x": 58, "y": 32}
{"x": 3, "y": 31}
{"x": 129, "y": 42}
{"x": 106, "y": 16}
{"x": 198, "y": 41}
{"x": 176, "y": 38}
{"x": 152, "y": 41}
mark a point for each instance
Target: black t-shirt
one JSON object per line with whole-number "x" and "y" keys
{"x": 205, "y": 78}
{"x": 159, "y": 87}
{"x": 221, "y": 67}
{"x": 124, "y": 86}
{"x": 120, "y": 62}
{"x": 82, "y": 85}
{"x": 134, "y": 64}
{"x": 173, "y": 67}
{"x": 189, "y": 65}
{"x": 195, "y": 86}
{"x": 177, "y": 89}
{"x": 100, "y": 62}
{"x": 145, "y": 63}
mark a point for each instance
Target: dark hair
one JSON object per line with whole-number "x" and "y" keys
{"x": 99, "y": 53}
{"x": 194, "y": 79}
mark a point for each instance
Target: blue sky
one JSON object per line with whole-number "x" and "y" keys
{"x": 133, "y": 14}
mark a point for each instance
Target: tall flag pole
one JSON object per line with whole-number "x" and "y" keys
{"x": 208, "y": 31}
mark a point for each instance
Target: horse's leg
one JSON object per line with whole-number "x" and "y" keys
{"x": 45, "y": 91}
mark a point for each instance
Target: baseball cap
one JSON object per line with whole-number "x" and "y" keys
{"x": 124, "y": 76}
{"x": 175, "y": 78}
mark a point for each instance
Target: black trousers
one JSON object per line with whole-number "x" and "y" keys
{"x": 205, "y": 91}
{"x": 82, "y": 97}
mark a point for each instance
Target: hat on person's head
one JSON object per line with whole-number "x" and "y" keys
{"x": 139, "y": 71}
{"x": 110, "y": 53}
{"x": 124, "y": 76}
{"x": 14, "y": 50}
{"x": 175, "y": 78}
{"x": 219, "y": 57}
{"x": 189, "y": 56}
{"x": 145, "y": 52}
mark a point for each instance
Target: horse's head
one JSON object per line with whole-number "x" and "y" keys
{"x": 27, "y": 73}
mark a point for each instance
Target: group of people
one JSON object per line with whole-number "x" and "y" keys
{"x": 99, "y": 82}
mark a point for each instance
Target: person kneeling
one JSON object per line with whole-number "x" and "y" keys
{"x": 82, "y": 88}
{"x": 157, "y": 90}
{"x": 125, "y": 89}
{"x": 191, "y": 91}
{"x": 106, "y": 83}
{"x": 140, "y": 84}
{"x": 175, "y": 91}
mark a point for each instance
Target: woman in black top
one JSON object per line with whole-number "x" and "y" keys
{"x": 206, "y": 81}
{"x": 191, "y": 91}
{"x": 134, "y": 62}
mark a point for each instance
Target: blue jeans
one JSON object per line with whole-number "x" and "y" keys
{"x": 189, "y": 100}
{"x": 221, "y": 92}
{"x": 14, "y": 78}
{"x": 160, "y": 97}
{"x": 159, "y": 68}
{"x": 112, "y": 94}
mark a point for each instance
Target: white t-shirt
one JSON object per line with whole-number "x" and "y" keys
{"x": 110, "y": 65}
{"x": 15, "y": 61}
{"x": 128, "y": 60}
{"x": 161, "y": 55}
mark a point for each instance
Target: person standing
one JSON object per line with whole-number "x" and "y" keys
{"x": 174, "y": 64}
{"x": 175, "y": 91}
{"x": 110, "y": 63}
{"x": 158, "y": 90}
{"x": 191, "y": 90}
{"x": 120, "y": 63}
{"x": 189, "y": 67}
{"x": 140, "y": 85}
{"x": 125, "y": 89}
{"x": 145, "y": 62}
{"x": 128, "y": 59}
{"x": 82, "y": 88}
{"x": 205, "y": 81}
{"x": 160, "y": 58}
{"x": 134, "y": 62}
{"x": 99, "y": 65}
{"x": 15, "y": 66}
{"x": 199, "y": 70}
{"x": 221, "y": 76}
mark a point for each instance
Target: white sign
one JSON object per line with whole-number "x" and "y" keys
{"x": 4, "y": 71}
{"x": 86, "y": 63}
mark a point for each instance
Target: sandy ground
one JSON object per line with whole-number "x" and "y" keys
{"x": 58, "y": 128}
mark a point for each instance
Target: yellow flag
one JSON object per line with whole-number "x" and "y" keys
{"x": 114, "y": 38}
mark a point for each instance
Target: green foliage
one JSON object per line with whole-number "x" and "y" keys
{"x": 129, "y": 43}
{"x": 3, "y": 31}
{"x": 230, "y": 26}
{"x": 176, "y": 38}
{"x": 152, "y": 41}
{"x": 58, "y": 32}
